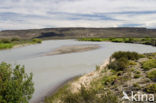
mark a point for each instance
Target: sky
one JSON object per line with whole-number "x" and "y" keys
{"x": 35, "y": 14}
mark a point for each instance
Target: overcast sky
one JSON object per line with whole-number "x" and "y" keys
{"x": 27, "y": 14}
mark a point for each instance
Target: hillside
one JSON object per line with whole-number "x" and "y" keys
{"x": 62, "y": 33}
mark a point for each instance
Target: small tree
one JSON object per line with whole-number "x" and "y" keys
{"x": 16, "y": 86}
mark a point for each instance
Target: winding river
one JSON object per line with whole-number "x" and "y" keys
{"x": 50, "y": 71}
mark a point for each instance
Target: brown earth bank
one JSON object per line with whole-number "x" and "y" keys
{"x": 73, "y": 49}
{"x": 75, "y": 33}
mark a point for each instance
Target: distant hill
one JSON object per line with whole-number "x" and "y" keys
{"x": 72, "y": 33}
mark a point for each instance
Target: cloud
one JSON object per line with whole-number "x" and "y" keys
{"x": 25, "y": 14}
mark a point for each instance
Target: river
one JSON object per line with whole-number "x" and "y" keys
{"x": 50, "y": 71}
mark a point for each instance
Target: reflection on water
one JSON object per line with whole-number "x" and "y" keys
{"x": 50, "y": 71}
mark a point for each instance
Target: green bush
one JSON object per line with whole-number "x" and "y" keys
{"x": 127, "y": 55}
{"x": 117, "y": 40}
{"x": 5, "y": 40}
{"x": 37, "y": 40}
{"x": 109, "y": 79}
{"x": 129, "y": 40}
{"x": 15, "y": 39}
{"x": 150, "y": 88}
{"x": 132, "y": 63}
{"x": 71, "y": 98}
{"x": 119, "y": 65}
{"x": 122, "y": 60}
{"x": 15, "y": 85}
{"x": 136, "y": 86}
{"x": 137, "y": 76}
{"x": 149, "y": 64}
{"x": 137, "y": 72}
{"x": 152, "y": 75}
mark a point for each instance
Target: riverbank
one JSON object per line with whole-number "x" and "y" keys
{"x": 57, "y": 88}
{"x": 16, "y": 43}
{"x": 107, "y": 82}
{"x": 73, "y": 49}
{"x": 146, "y": 41}
{"x": 74, "y": 84}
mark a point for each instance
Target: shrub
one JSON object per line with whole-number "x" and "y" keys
{"x": 137, "y": 76}
{"x": 89, "y": 96}
{"x": 149, "y": 64}
{"x": 108, "y": 97}
{"x": 150, "y": 88}
{"x": 137, "y": 72}
{"x": 15, "y": 85}
{"x": 152, "y": 75}
{"x": 132, "y": 63}
{"x": 119, "y": 65}
{"x": 129, "y": 40}
{"x": 127, "y": 55}
{"x": 5, "y": 40}
{"x": 15, "y": 39}
{"x": 109, "y": 80}
{"x": 37, "y": 40}
{"x": 122, "y": 60}
{"x": 136, "y": 86}
{"x": 117, "y": 40}
{"x": 71, "y": 98}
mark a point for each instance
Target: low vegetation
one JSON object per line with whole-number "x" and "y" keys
{"x": 127, "y": 55}
{"x": 150, "y": 88}
{"x": 37, "y": 40}
{"x": 147, "y": 41}
{"x": 122, "y": 60}
{"x": 85, "y": 95}
{"x": 149, "y": 64}
{"x": 6, "y": 45}
{"x": 16, "y": 86}
{"x": 11, "y": 42}
{"x": 124, "y": 73}
{"x": 152, "y": 75}
{"x": 89, "y": 96}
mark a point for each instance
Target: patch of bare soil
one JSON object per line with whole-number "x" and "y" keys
{"x": 73, "y": 48}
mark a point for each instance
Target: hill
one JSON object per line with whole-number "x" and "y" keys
{"x": 72, "y": 33}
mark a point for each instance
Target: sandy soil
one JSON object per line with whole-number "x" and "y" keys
{"x": 86, "y": 79}
{"x": 73, "y": 48}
